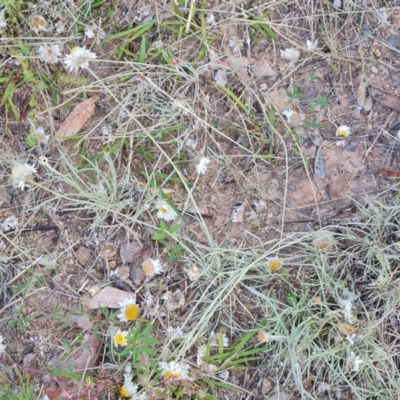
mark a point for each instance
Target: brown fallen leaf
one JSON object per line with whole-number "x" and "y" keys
{"x": 77, "y": 118}
{"x": 107, "y": 297}
{"x": 346, "y": 329}
{"x": 386, "y": 99}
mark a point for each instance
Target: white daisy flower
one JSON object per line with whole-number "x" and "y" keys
{"x": 202, "y": 166}
{"x": 274, "y": 263}
{"x": 152, "y": 267}
{"x": 174, "y": 370}
{"x": 128, "y": 389}
{"x": 20, "y": 173}
{"x": 129, "y": 310}
{"x": 354, "y": 361}
{"x": 165, "y": 211}
{"x": 3, "y": 22}
{"x": 78, "y": 58}
{"x": 119, "y": 338}
{"x": 2, "y": 346}
{"x": 49, "y": 53}
{"x": 290, "y": 54}
{"x": 343, "y": 131}
{"x": 311, "y": 45}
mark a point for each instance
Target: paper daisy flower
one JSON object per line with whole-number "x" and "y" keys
{"x": 152, "y": 267}
{"x": 78, "y": 58}
{"x": 128, "y": 389}
{"x": 129, "y": 310}
{"x": 174, "y": 370}
{"x": 3, "y": 22}
{"x": 2, "y": 346}
{"x": 49, "y": 54}
{"x": 290, "y": 54}
{"x": 343, "y": 131}
{"x": 275, "y": 264}
{"x": 38, "y": 24}
{"x": 20, "y": 173}
{"x": 165, "y": 211}
{"x": 119, "y": 338}
{"x": 202, "y": 166}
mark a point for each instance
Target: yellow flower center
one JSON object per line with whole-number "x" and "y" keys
{"x": 275, "y": 265}
{"x": 164, "y": 209}
{"x": 132, "y": 311}
{"x": 124, "y": 391}
{"x": 171, "y": 374}
{"x": 148, "y": 268}
{"x": 120, "y": 339}
{"x": 342, "y": 133}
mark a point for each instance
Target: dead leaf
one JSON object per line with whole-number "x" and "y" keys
{"x": 107, "y": 297}
{"x": 128, "y": 251}
{"x": 319, "y": 164}
{"x": 77, "y": 118}
{"x": 278, "y": 99}
{"x": 346, "y": 329}
{"x": 263, "y": 68}
{"x": 386, "y": 99}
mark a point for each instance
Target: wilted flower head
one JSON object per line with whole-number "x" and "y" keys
{"x": 193, "y": 272}
{"x": 290, "y": 54}
{"x": 175, "y": 333}
{"x": 354, "y": 361}
{"x": 78, "y": 58}
{"x": 324, "y": 240}
{"x": 262, "y": 337}
{"x": 202, "y": 166}
{"x": 311, "y": 45}
{"x": 20, "y": 173}
{"x": 289, "y": 114}
{"x": 3, "y": 22}
{"x": 174, "y": 370}
{"x": 129, "y": 310}
{"x": 40, "y": 135}
{"x": 49, "y": 53}
{"x": 165, "y": 211}
{"x": 2, "y": 346}
{"x": 38, "y": 24}
{"x": 346, "y": 303}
